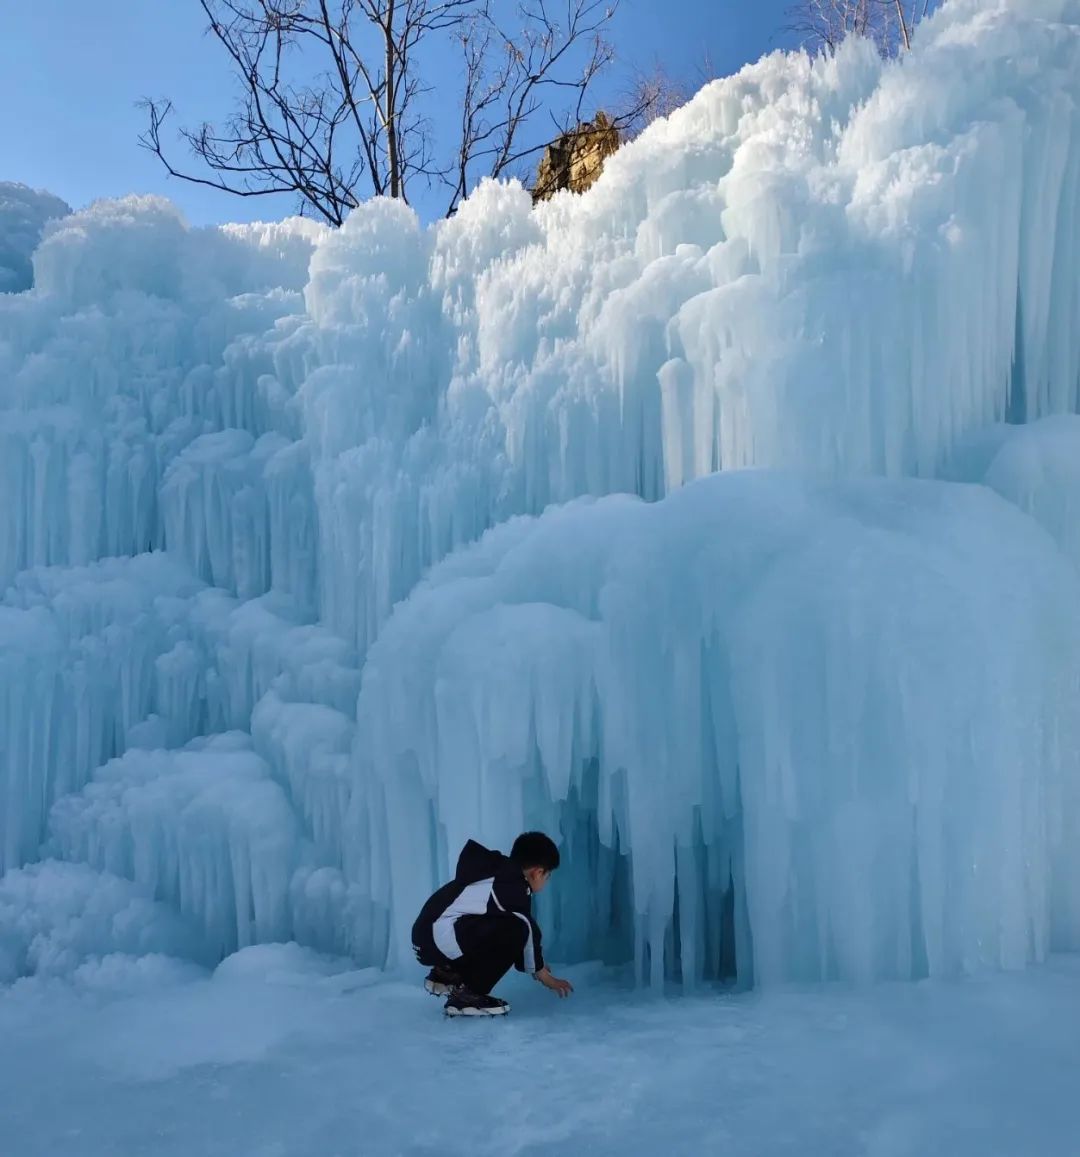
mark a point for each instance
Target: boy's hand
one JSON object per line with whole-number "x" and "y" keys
{"x": 562, "y": 987}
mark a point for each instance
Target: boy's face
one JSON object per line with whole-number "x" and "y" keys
{"x": 537, "y": 879}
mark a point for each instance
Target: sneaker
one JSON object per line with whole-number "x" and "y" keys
{"x": 462, "y": 1002}
{"x": 441, "y": 981}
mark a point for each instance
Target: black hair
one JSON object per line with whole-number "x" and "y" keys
{"x": 535, "y": 850}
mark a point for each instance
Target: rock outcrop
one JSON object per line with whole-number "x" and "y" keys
{"x": 576, "y": 159}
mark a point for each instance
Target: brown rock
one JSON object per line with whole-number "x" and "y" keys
{"x": 576, "y": 159}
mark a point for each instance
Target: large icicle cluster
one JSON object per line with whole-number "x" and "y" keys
{"x": 285, "y": 619}
{"x": 131, "y": 346}
{"x": 852, "y": 705}
{"x": 840, "y": 267}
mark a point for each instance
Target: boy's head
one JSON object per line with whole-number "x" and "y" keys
{"x": 537, "y": 856}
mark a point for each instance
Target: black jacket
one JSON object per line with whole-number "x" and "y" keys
{"x": 486, "y": 883}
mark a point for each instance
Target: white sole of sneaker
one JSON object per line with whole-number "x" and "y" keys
{"x": 478, "y": 1011}
{"x": 437, "y": 989}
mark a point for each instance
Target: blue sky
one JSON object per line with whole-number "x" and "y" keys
{"x": 71, "y": 72}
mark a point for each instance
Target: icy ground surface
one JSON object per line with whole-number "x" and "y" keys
{"x": 274, "y": 1056}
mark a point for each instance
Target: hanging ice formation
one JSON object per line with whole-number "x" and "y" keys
{"x": 323, "y": 550}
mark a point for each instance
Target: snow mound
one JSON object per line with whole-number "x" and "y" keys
{"x": 57, "y": 918}
{"x": 283, "y": 964}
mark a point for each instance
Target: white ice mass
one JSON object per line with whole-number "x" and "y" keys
{"x": 723, "y": 522}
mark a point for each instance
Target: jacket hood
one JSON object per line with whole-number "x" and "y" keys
{"x": 477, "y": 862}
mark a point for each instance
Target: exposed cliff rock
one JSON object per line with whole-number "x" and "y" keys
{"x": 576, "y": 159}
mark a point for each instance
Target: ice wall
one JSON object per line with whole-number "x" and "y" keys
{"x": 844, "y": 269}
{"x": 1035, "y": 466}
{"x": 77, "y": 663}
{"x": 851, "y": 705}
{"x": 136, "y": 340}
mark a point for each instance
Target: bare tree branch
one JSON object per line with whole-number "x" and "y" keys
{"x": 901, "y": 19}
{"x": 822, "y": 25}
{"x": 332, "y": 95}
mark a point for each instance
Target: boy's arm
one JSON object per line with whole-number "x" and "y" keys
{"x": 512, "y": 895}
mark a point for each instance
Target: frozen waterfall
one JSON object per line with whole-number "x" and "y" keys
{"x": 723, "y": 522}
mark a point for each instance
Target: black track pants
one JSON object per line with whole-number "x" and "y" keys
{"x": 490, "y": 947}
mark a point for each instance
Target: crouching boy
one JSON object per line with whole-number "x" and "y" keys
{"x": 472, "y": 930}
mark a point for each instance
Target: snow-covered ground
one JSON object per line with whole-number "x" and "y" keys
{"x": 276, "y": 1056}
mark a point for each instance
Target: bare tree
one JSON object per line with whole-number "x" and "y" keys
{"x": 822, "y": 25}
{"x": 650, "y": 96}
{"x": 332, "y": 104}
